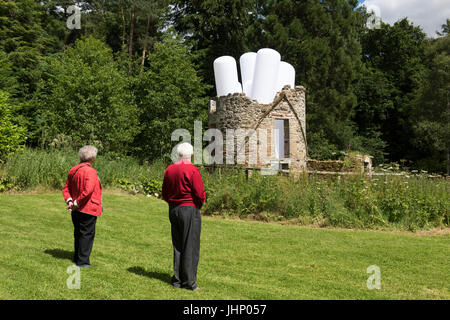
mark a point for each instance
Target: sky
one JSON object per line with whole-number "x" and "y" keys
{"x": 428, "y": 14}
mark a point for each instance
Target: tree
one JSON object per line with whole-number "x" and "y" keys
{"x": 394, "y": 55}
{"x": 28, "y": 32}
{"x": 12, "y": 136}
{"x": 320, "y": 39}
{"x": 24, "y": 40}
{"x": 82, "y": 94}
{"x": 374, "y": 92}
{"x": 8, "y": 81}
{"x": 214, "y": 28}
{"x": 445, "y": 28}
{"x": 170, "y": 95}
{"x": 431, "y": 108}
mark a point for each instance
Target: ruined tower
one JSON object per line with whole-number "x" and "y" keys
{"x": 266, "y": 136}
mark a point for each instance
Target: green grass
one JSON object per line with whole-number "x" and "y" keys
{"x": 404, "y": 203}
{"x": 132, "y": 256}
{"x": 30, "y": 169}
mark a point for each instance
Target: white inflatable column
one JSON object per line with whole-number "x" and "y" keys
{"x": 247, "y": 65}
{"x": 286, "y": 76}
{"x": 226, "y": 76}
{"x": 265, "y": 77}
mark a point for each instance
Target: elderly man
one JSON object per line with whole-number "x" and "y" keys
{"x": 83, "y": 195}
{"x": 183, "y": 190}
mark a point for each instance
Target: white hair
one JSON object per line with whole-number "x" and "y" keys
{"x": 87, "y": 153}
{"x": 185, "y": 150}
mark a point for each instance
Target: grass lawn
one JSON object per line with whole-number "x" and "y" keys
{"x": 132, "y": 256}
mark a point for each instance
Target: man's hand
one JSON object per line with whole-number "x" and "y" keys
{"x": 70, "y": 205}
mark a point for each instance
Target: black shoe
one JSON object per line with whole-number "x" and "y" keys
{"x": 84, "y": 265}
{"x": 193, "y": 288}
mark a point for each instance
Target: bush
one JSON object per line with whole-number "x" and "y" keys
{"x": 83, "y": 95}
{"x": 33, "y": 168}
{"x": 352, "y": 202}
{"x": 391, "y": 202}
{"x": 12, "y": 137}
{"x": 148, "y": 187}
{"x": 171, "y": 95}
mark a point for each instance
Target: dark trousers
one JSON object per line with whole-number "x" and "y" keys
{"x": 185, "y": 226}
{"x": 84, "y": 232}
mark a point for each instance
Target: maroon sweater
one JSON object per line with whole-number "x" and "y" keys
{"x": 183, "y": 185}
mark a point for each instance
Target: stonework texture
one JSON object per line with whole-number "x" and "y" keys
{"x": 248, "y": 123}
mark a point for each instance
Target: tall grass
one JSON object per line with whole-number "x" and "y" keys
{"x": 350, "y": 202}
{"x": 33, "y": 168}
{"x": 398, "y": 202}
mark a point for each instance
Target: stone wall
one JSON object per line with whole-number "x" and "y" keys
{"x": 357, "y": 163}
{"x": 250, "y": 120}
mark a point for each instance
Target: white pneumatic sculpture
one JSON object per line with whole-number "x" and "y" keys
{"x": 247, "y": 64}
{"x": 226, "y": 76}
{"x": 263, "y": 74}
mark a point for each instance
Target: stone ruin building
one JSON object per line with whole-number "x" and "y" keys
{"x": 286, "y": 148}
{"x": 285, "y": 152}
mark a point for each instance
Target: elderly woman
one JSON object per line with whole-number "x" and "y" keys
{"x": 183, "y": 190}
{"x": 83, "y": 195}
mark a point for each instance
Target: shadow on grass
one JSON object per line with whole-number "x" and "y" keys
{"x": 165, "y": 277}
{"x": 60, "y": 253}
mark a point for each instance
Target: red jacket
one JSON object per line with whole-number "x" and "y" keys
{"x": 183, "y": 185}
{"x": 84, "y": 189}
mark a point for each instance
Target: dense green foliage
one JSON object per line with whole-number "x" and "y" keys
{"x": 382, "y": 91}
{"x": 389, "y": 202}
{"x": 431, "y": 108}
{"x": 31, "y": 169}
{"x": 352, "y": 202}
{"x": 321, "y": 42}
{"x": 394, "y": 57}
{"x": 12, "y": 136}
{"x": 83, "y": 95}
{"x": 215, "y": 28}
{"x": 170, "y": 95}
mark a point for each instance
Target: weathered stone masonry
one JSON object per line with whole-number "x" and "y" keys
{"x": 237, "y": 111}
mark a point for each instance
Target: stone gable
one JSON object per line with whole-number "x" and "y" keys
{"x": 251, "y": 121}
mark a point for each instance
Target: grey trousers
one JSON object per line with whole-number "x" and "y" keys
{"x": 185, "y": 226}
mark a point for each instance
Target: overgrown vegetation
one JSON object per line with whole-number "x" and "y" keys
{"x": 407, "y": 202}
{"x": 351, "y": 202}
{"x": 31, "y": 169}
{"x": 12, "y": 136}
{"x": 137, "y": 70}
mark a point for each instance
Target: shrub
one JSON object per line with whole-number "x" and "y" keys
{"x": 351, "y": 202}
{"x": 391, "y": 202}
{"x": 32, "y": 168}
{"x": 83, "y": 95}
{"x": 12, "y": 137}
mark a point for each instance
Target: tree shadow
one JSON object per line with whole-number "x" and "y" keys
{"x": 162, "y": 276}
{"x": 60, "y": 253}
